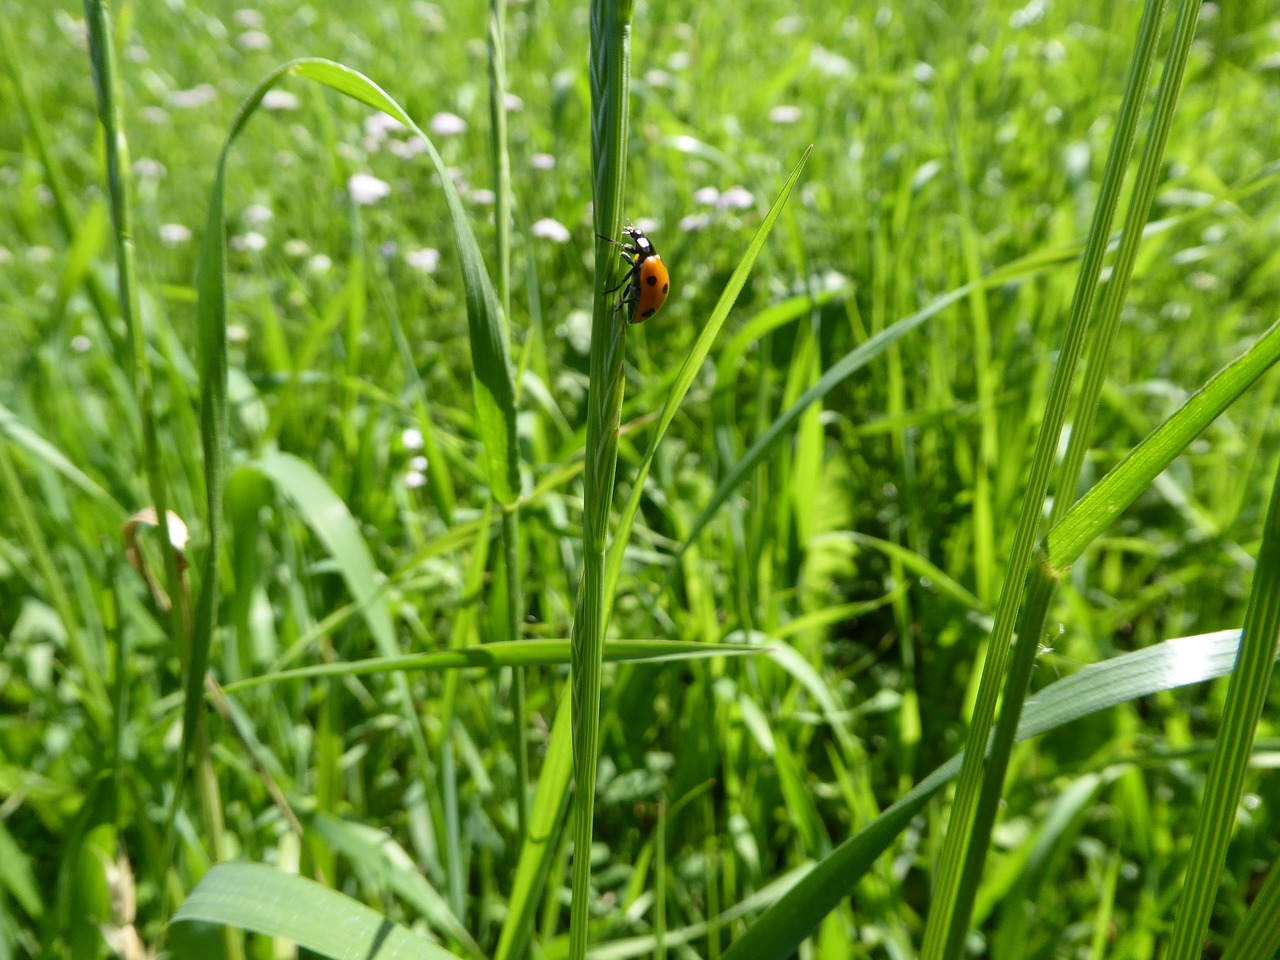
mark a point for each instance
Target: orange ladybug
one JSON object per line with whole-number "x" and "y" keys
{"x": 646, "y": 281}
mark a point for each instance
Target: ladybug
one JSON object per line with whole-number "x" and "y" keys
{"x": 646, "y": 280}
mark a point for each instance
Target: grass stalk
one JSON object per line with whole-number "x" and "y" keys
{"x": 1041, "y": 581}
{"x": 609, "y": 67}
{"x": 1246, "y": 697}
{"x": 943, "y": 913}
{"x": 510, "y": 514}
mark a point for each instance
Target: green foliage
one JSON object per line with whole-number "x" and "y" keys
{"x": 388, "y": 421}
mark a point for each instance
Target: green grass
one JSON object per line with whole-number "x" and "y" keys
{"x": 826, "y": 437}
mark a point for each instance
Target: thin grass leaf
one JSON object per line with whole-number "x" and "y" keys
{"x": 537, "y": 848}
{"x": 688, "y": 371}
{"x": 507, "y": 653}
{"x": 851, "y": 363}
{"x": 1246, "y": 698}
{"x": 610, "y": 76}
{"x": 260, "y": 899}
{"x": 1259, "y": 934}
{"x": 1122, "y": 485}
{"x": 953, "y": 883}
{"x": 495, "y": 392}
{"x": 778, "y": 933}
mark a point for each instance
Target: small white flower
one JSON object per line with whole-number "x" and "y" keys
{"x": 251, "y": 241}
{"x": 378, "y": 125}
{"x": 257, "y": 214}
{"x": 647, "y": 224}
{"x": 320, "y": 263}
{"x": 736, "y": 198}
{"x": 429, "y": 14}
{"x": 80, "y": 343}
{"x": 411, "y": 437}
{"x": 174, "y": 234}
{"x": 195, "y": 97}
{"x": 253, "y": 40}
{"x": 247, "y": 17}
{"x": 543, "y": 161}
{"x": 144, "y": 168}
{"x": 679, "y": 60}
{"x": 281, "y": 100}
{"x": 39, "y": 254}
{"x": 549, "y": 229}
{"x": 6, "y": 256}
{"x": 418, "y": 463}
{"x": 413, "y": 479}
{"x": 577, "y": 330}
{"x": 407, "y": 149}
{"x": 156, "y": 116}
{"x": 237, "y": 333}
{"x": 366, "y": 189}
{"x": 427, "y": 259}
{"x": 445, "y": 124}
{"x": 707, "y": 196}
{"x": 784, "y": 114}
{"x": 482, "y": 197}
{"x": 695, "y": 221}
{"x": 136, "y": 53}
{"x": 388, "y": 249}
{"x": 513, "y": 103}
{"x": 296, "y": 248}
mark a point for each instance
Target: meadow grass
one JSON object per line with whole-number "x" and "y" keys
{"x": 401, "y": 419}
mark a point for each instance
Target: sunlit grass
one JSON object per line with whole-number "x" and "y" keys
{"x": 838, "y": 482}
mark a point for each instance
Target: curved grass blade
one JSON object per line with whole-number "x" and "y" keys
{"x": 495, "y": 391}
{"x": 260, "y": 899}
{"x": 381, "y": 857}
{"x": 1165, "y": 666}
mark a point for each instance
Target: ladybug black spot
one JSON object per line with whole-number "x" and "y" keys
{"x": 664, "y": 287}
{"x": 648, "y": 313}
{"x": 652, "y": 281}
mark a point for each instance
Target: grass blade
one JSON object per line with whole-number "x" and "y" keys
{"x": 1166, "y": 666}
{"x": 1093, "y": 512}
{"x": 260, "y": 899}
{"x": 1246, "y": 697}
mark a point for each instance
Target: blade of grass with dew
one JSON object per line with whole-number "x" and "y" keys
{"x": 261, "y": 899}
{"x": 688, "y": 371}
{"x": 1122, "y": 485}
{"x": 780, "y": 930}
{"x": 610, "y": 68}
{"x": 495, "y": 391}
{"x": 1245, "y": 700}
{"x": 944, "y": 924}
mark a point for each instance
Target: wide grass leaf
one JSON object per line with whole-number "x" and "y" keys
{"x": 260, "y": 899}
